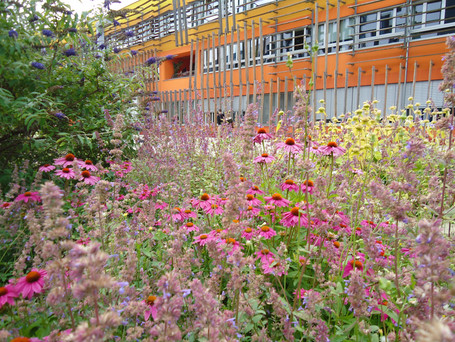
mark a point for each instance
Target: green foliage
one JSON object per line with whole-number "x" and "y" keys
{"x": 57, "y": 107}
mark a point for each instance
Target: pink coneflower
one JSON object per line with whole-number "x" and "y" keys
{"x": 332, "y": 149}
{"x": 66, "y": 173}
{"x": 261, "y": 135}
{"x": 152, "y": 310}
{"x": 248, "y": 233}
{"x": 190, "y": 227}
{"x": 29, "y": 196}
{"x": 88, "y": 165}
{"x": 308, "y": 186}
{"x": 252, "y": 200}
{"x": 67, "y": 160}
{"x": 231, "y": 242}
{"x": 32, "y": 283}
{"x": 143, "y": 192}
{"x": 274, "y": 267}
{"x": 190, "y": 214}
{"x": 178, "y": 215}
{"x": 291, "y": 218}
{"x": 7, "y": 295}
{"x": 88, "y": 178}
{"x": 266, "y": 232}
{"x": 46, "y": 168}
{"x": 290, "y": 146}
{"x": 25, "y": 339}
{"x": 250, "y": 210}
{"x": 277, "y": 200}
{"x": 265, "y": 256}
{"x": 254, "y": 190}
{"x": 220, "y": 200}
{"x": 5, "y": 205}
{"x": 214, "y": 209}
{"x": 125, "y": 168}
{"x": 203, "y": 202}
{"x": 161, "y": 205}
{"x": 357, "y": 263}
{"x": 264, "y": 159}
{"x": 202, "y": 239}
{"x": 289, "y": 184}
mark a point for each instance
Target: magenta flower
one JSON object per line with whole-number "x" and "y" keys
{"x": 7, "y": 295}
{"x": 152, "y": 311}
{"x": 308, "y": 186}
{"x": 264, "y": 159}
{"x": 261, "y": 135}
{"x": 88, "y": 165}
{"x": 143, "y": 192}
{"x": 274, "y": 267}
{"x": 161, "y": 205}
{"x": 253, "y": 211}
{"x": 289, "y": 184}
{"x": 46, "y": 168}
{"x": 177, "y": 214}
{"x": 214, "y": 209}
{"x": 88, "y": 178}
{"x": 254, "y": 190}
{"x": 252, "y": 200}
{"x": 357, "y": 263}
{"x": 266, "y": 232}
{"x": 290, "y": 146}
{"x": 204, "y": 202}
{"x": 332, "y": 149}
{"x": 67, "y": 160}
{"x": 230, "y": 242}
{"x": 277, "y": 200}
{"x": 28, "y": 196}
{"x": 66, "y": 173}
{"x": 265, "y": 256}
{"x": 190, "y": 227}
{"x": 190, "y": 214}
{"x": 291, "y": 218}
{"x": 5, "y": 205}
{"x": 202, "y": 239}
{"x": 32, "y": 283}
{"x": 248, "y": 233}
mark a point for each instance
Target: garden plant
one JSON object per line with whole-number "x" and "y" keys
{"x": 299, "y": 231}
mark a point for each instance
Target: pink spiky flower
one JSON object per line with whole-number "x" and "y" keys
{"x": 29, "y": 196}
{"x": 332, "y": 148}
{"x": 66, "y": 173}
{"x": 308, "y": 186}
{"x": 7, "y": 295}
{"x": 88, "y": 165}
{"x": 204, "y": 202}
{"x": 261, "y": 135}
{"x": 214, "y": 209}
{"x": 354, "y": 263}
{"x": 254, "y": 190}
{"x": 32, "y": 283}
{"x": 248, "y": 233}
{"x": 264, "y": 159}
{"x": 46, "y": 168}
{"x": 266, "y": 232}
{"x": 291, "y": 218}
{"x": 67, "y": 160}
{"x": 277, "y": 200}
{"x": 202, "y": 239}
{"x": 88, "y": 178}
{"x": 250, "y": 210}
{"x": 252, "y": 200}
{"x": 265, "y": 256}
{"x": 152, "y": 310}
{"x": 289, "y": 184}
{"x": 190, "y": 227}
{"x": 290, "y": 146}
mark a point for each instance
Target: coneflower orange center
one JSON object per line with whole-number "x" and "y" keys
{"x": 249, "y": 207}
{"x": 255, "y": 188}
{"x": 332, "y": 144}
{"x": 308, "y": 183}
{"x": 219, "y": 230}
{"x": 261, "y": 131}
{"x": 177, "y": 209}
{"x": 150, "y": 300}
{"x": 28, "y": 194}
{"x": 69, "y": 157}
{"x": 295, "y": 211}
{"x": 20, "y": 339}
{"x": 265, "y": 229}
{"x": 230, "y": 240}
{"x": 264, "y": 155}
{"x": 203, "y": 237}
{"x": 189, "y": 224}
{"x": 3, "y": 291}
{"x": 290, "y": 141}
{"x": 187, "y": 211}
{"x": 356, "y": 263}
{"x": 242, "y": 179}
{"x": 248, "y": 230}
{"x": 289, "y": 182}
{"x": 66, "y": 170}
{"x": 249, "y": 197}
{"x": 32, "y": 277}
{"x": 214, "y": 206}
{"x": 205, "y": 197}
{"x": 85, "y": 174}
{"x": 88, "y": 162}
{"x": 336, "y": 244}
{"x": 277, "y": 197}
{"x": 265, "y": 251}
{"x": 46, "y": 165}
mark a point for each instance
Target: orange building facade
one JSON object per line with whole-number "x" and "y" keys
{"x": 230, "y": 53}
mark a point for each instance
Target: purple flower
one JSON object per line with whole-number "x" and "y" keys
{"x": 116, "y": 50}
{"x": 169, "y": 57}
{"x": 151, "y": 60}
{"x": 38, "y": 65}
{"x": 60, "y": 115}
{"x": 164, "y": 111}
{"x": 155, "y": 98}
{"x": 129, "y": 33}
{"x": 102, "y": 47}
{"x": 69, "y": 52}
{"x": 33, "y": 18}
{"x": 133, "y": 52}
{"x": 72, "y": 30}
{"x": 47, "y": 33}
{"x": 13, "y": 33}
{"x": 115, "y": 22}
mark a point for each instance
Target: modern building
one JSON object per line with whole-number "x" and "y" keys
{"x": 229, "y": 53}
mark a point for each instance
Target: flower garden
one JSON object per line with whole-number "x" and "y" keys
{"x": 301, "y": 231}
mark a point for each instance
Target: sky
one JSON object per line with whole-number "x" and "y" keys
{"x": 86, "y": 5}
